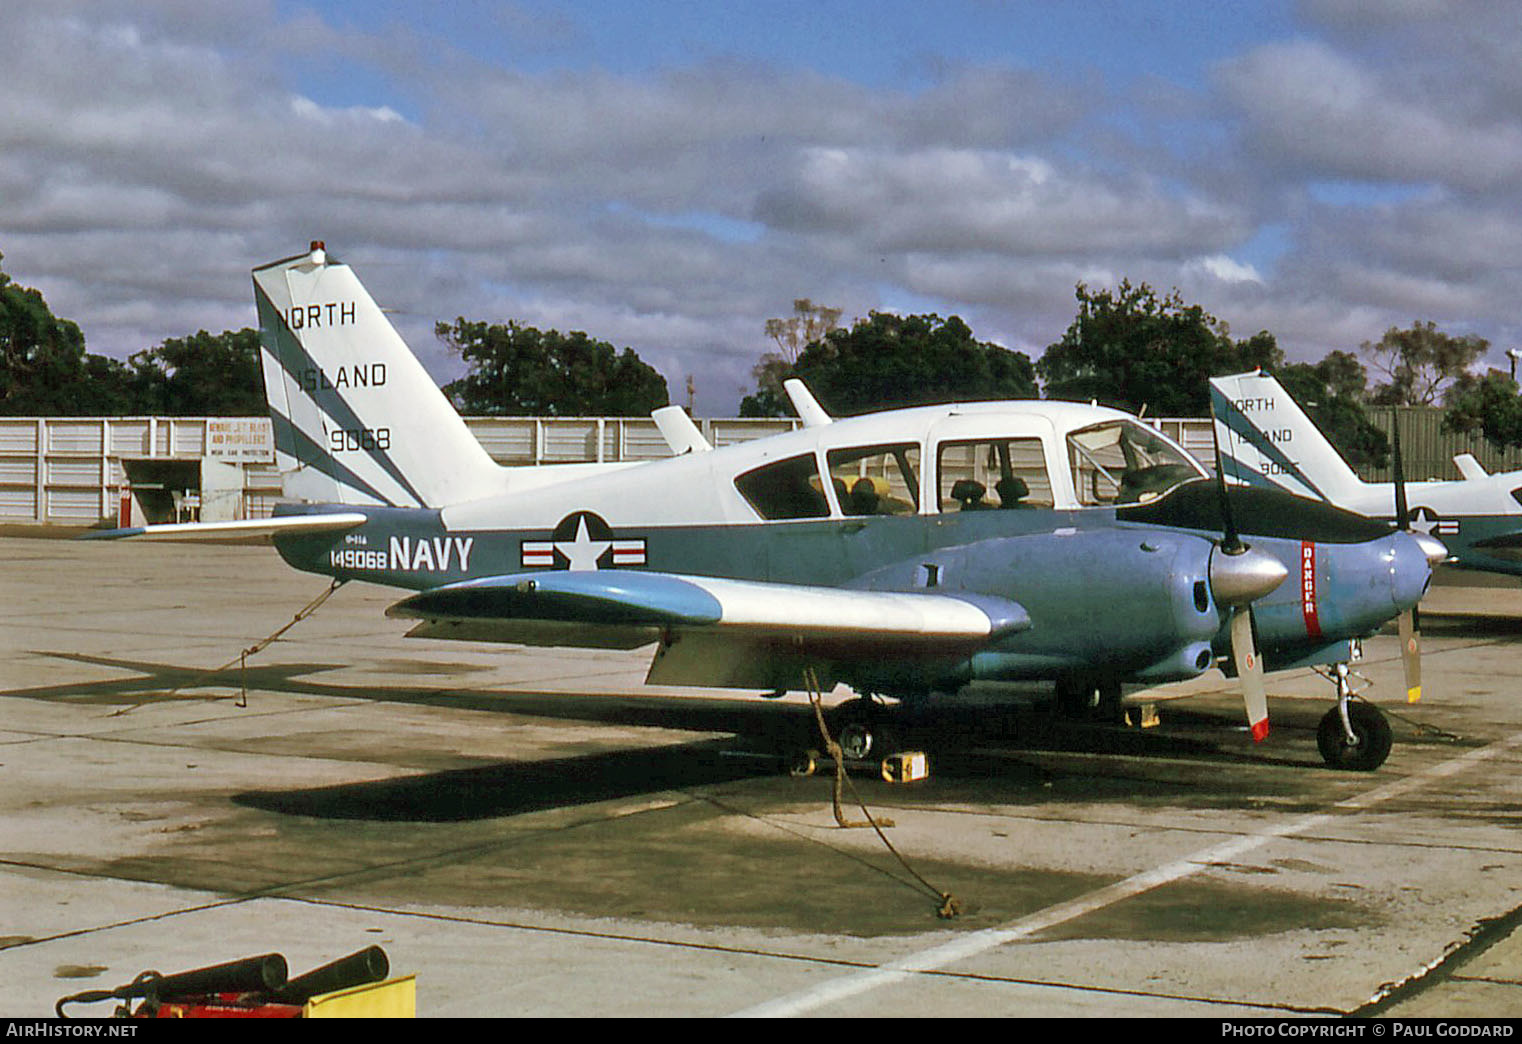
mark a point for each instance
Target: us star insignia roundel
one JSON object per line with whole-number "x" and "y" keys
{"x": 582, "y": 541}
{"x": 1425, "y": 520}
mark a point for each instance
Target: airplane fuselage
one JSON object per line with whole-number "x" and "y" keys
{"x": 1070, "y": 569}
{"x": 1479, "y": 520}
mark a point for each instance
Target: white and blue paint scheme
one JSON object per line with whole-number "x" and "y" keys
{"x": 905, "y": 553}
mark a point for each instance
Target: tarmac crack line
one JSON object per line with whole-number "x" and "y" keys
{"x": 938, "y": 958}
{"x": 1479, "y": 939}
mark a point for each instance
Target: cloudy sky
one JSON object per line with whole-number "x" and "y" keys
{"x": 668, "y": 174}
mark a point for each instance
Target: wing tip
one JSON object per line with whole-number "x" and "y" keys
{"x": 112, "y": 534}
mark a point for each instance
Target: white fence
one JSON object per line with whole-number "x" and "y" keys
{"x": 72, "y": 470}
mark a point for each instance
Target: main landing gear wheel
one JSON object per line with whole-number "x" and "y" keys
{"x": 1369, "y": 744}
{"x": 1088, "y": 700}
{"x": 861, "y": 733}
{"x": 804, "y": 763}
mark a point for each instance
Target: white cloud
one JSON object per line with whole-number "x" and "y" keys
{"x": 1322, "y": 114}
{"x": 981, "y": 201}
{"x": 307, "y": 109}
{"x": 1224, "y": 269}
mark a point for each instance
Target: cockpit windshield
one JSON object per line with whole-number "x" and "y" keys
{"x": 1123, "y": 462}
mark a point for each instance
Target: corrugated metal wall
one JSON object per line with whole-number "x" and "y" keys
{"x": 1427, "y": 451}
{"x": 68, "y": 470}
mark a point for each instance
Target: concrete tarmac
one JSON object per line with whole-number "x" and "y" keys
{"x": 535, "y": 832}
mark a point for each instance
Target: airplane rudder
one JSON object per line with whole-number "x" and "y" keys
{"x": 357, "y": 402}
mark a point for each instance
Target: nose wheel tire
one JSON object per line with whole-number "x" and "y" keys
{"x": 1369, "y": 745}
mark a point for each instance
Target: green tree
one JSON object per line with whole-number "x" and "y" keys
{"x": 203, "y": 375}
{"x": 1489, "y": 405}
{"x": 1420, "y": 363}
{"x": 1332, "y": 393}
{"x": 44, "y": 369}
{"x": 1131, "y": 348}
{"x": 518, "y": 370}
{"x": 887, "y": 361}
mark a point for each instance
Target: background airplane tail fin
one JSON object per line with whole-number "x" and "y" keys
{"x": 1266, "y": 439}
{"x": 1470, "y": 469}
{"x": 357, "y": 419}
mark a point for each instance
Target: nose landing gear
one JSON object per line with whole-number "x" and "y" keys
{"x": 1353, "y": 735}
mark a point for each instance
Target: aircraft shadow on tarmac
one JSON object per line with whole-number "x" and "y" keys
{"x": 1014, "y": 774}
{"x": 1470, "y": 625}
{"x": 511, "y": 788}
{"x": 996, "y": 747}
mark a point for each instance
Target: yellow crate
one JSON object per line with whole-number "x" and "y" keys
{"x": 907, "y": 766}
{"x": 392, "y": 999}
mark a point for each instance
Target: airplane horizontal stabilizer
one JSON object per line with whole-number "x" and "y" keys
{"x": 1470, "y": 468}
{"x": 253, "y": 527}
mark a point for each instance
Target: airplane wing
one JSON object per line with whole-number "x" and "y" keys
{"x": 325, "y": 523}
{"x": 737, "y": 633}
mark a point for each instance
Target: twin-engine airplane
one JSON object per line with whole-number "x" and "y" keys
{"x": 905, "y": 553}
{"x": 1266, "y": 440}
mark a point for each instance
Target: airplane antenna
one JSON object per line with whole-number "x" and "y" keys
{"x": 810, "y": 412}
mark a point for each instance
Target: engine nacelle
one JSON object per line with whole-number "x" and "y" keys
{"x": 1134, "y": 603}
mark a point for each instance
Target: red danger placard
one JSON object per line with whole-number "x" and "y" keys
{"x": 1308, "y": 588}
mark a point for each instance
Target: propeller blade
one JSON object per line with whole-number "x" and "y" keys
{"x": 1250, "y": 673}
{"x": 1231, "y": 542}
{"x": 1411, "y": 654}
{"x": 1238, "y": 577}
{"x": 1407, "y": 624}
{"x": 1398, "y": 473}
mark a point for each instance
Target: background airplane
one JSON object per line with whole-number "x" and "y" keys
{"x": 905, "y": 553}
{"x": 1267, "y": 440}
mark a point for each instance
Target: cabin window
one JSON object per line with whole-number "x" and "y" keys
{"x": 786, "y": 489}
{"x": 1007, "y": 473}
{"x": 1122, "y": 462}
{"x": 876, "y": 480}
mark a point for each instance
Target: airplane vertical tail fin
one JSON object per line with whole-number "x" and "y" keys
{"x": 1266, "y": 439}
{"x": 357, "y": 419}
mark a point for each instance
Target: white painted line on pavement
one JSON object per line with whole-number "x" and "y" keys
{"x": 961, "y": 948}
